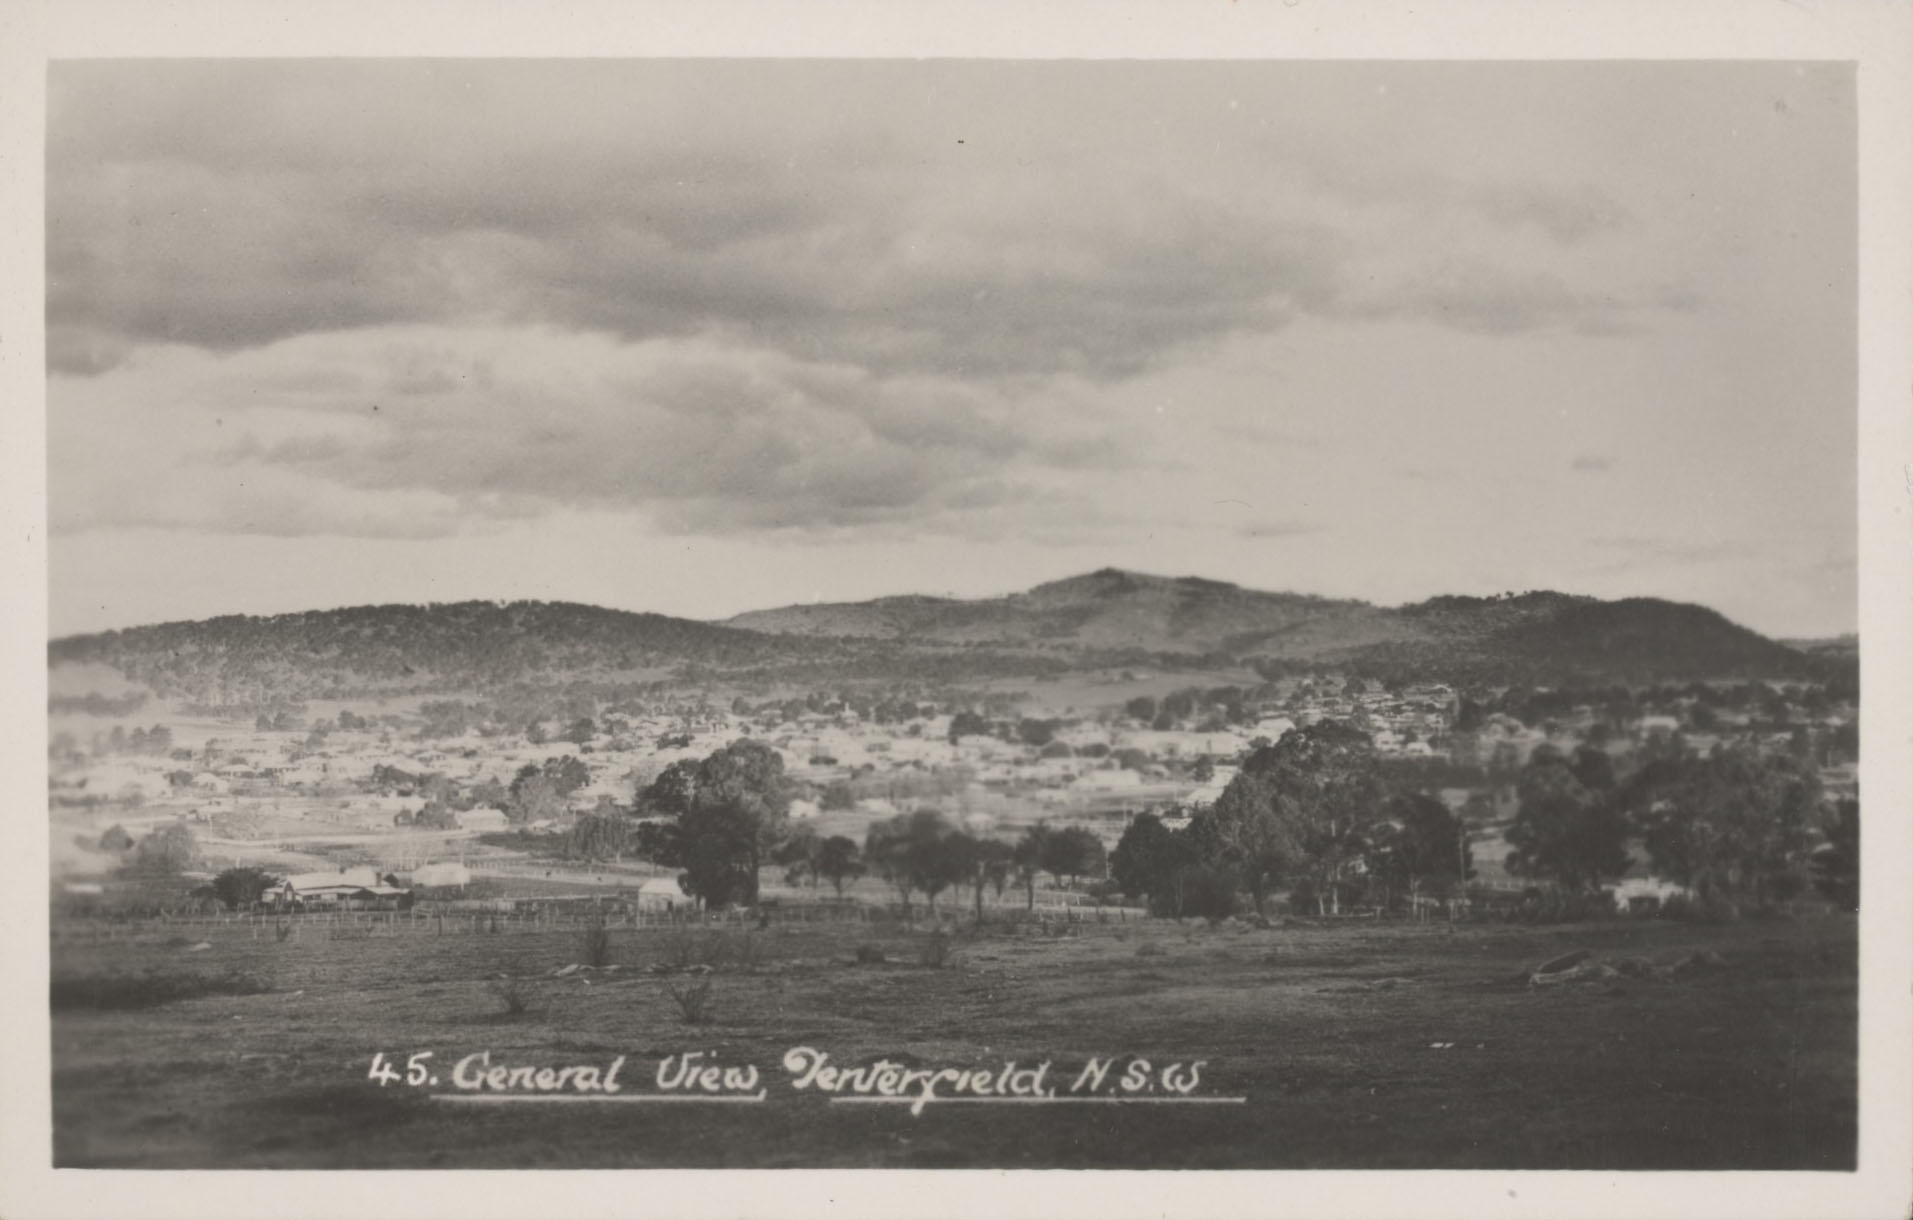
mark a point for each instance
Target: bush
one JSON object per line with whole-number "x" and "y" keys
{"x": 515, "y": 995}
{"x": 934, "y": 950}
{"x": 594, "y": 943}
{"x": 693, "y": 998}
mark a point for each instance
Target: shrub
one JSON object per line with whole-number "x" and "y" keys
{"x": 515, "y": 995}
{"x": 693, "y": 998}
{"x": 1149, "y": 948}
{"x": 594, "y": 943}
{"x": 933, "y": 950}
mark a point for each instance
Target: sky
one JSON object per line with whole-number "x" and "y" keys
{"x": 699, "y": 337}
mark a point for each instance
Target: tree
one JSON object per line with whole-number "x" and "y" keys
{"x": 166, "y": 852}
{"x": 738, "y": 811}
{"x": 1148, "y": 857}
{"x": 1565, "y": 832}
{"x": 567, "y": 774}
{"x": 1026, "y": 858}
{"x": 1836, "y": 866}
{"x": 534, "y": 797}
{"x": 1037, "y": 733}
{"x": 990, "y": 863}
{"x": 1305, "y": 803}
{"x": 580, "y": 731}
{"x": 1419, "y": 845}
{"x": 1071, "y": 853}
{"x": 919, "y": 851}
{"x": 436, "y": 815}
{"x": 968, "y": 724}
{"x": 672, "y": 792}
{"x": 1204, "y": 770}
{"x": 839, "y": 862}
{"x": 1734, "y": 824}
{"x": 1141, "y": 709}
{"x": 241, "y": 887}
{"x": 598, "y": 836}
{"x": 798, "y": 856}
{"x": 489, "y": 794}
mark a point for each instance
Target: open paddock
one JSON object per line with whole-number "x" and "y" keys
{"x": 1359, "y": 1045}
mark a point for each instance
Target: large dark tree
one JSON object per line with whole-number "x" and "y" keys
{"x": 839, "y": 862}
{"x": 1149, "y": 856}
{"x": 1072, "y": 852}
{"x": 1565, "y": 831}
{"x": 1304, "y": 805}
{"x": 1420, "y": 846}
{"x": 241, "y": 887}
{"x": 1734, "y": 824}
{"x": 919, "y": 851}
{"x": 718, "y": 820}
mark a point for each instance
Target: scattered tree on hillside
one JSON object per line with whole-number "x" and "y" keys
{"x": 968, "y": 724}
{"x": 166, "y": 852}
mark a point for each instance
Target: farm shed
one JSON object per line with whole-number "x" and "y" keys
{"x": 662, "y": 894}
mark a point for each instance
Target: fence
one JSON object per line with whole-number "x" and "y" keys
{"x": 542, "y": 917}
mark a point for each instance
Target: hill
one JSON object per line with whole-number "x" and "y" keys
{"x": 1100, "y": 619}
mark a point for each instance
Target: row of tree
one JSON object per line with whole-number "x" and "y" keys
{"x": 1315, "y": 813}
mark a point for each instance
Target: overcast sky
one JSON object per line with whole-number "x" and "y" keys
{"x": 702, "y": 337}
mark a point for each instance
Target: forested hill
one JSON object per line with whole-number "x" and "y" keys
{"x": 1098, "y": 620}
{"x": 1534, "y": 638}
{"x": 463, "y": 646}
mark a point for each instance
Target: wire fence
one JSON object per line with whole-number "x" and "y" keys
{"x": 480, "y": 918}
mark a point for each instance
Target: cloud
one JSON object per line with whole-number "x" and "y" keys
{"x": 1279, "y": 528}
{"x": 1568, "y": 214}
{"x": 407, "y": 432}
{"x": 1591, "y": 463}
{"x": 232, "y": 205}
{"x": 1483, "y": 297}
{"x": 226, "y": 209}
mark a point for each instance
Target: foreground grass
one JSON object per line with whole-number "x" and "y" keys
{"x": 1379, "y": 1047}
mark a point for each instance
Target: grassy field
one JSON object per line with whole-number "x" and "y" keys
{"x": 1354, "y": 1047}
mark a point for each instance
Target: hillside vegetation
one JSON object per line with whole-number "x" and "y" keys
{"x": 1100, "y": 619}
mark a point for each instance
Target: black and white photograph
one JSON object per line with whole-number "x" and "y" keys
{"x": 644, "y": 611}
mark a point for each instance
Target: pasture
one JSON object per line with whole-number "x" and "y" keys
{"x": 1353, "y": 1046}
